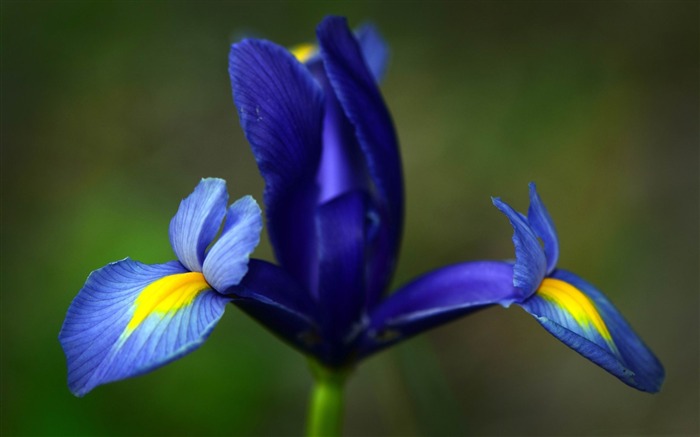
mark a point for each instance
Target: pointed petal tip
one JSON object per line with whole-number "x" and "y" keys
{"x": 374, "y": 48}
{"x": 226, "y": 262}
{"x": 197, "y": 221}
{"x": 530, "y": 265}
{"x": 544, "y": 228}
{"x": 329, "y": 20}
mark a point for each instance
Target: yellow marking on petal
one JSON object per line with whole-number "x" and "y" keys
{"x": 303, "y": 52}
{"x": 168, "y": 294}
{"x": 580, "y": 306}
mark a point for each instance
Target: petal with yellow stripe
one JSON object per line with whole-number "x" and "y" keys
{"x": 131, "y": 318}
{"x": 581, "y": 317}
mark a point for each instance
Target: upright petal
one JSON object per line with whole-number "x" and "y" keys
{"x": 343, "y": 167}
{"x": 581, "y": 317}
{"x": 341, "y": 288}
{"x": 374, "y": 49}
{"x": 130, "y": 318}
{"x": 197, "y": 221}
{"x": 227, "y": 261}
{"x": 437, "y": 298}
{"x": 272, "y": 297}
{"x": 281, "y": 111}
{"x": 357, "y": 92}
{"x": 530, "y": 263}
{"x": 543, "y": 225}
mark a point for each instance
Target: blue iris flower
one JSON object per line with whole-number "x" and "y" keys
{"x": 325, "y": 145}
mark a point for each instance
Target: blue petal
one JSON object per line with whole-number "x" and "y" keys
{"x": 280, "y": 107}
{"x": 593, "y": 327}
{"x": 437, "y": 298}
{"x": 363, "y": 105}
{"x": 341, "y": 238}
{"x": 343, "y": 167}
{"x": 530, "y": 262}
{"x": 130, "y": 318}
{"x": 272, "y": 297}
{"x": 227, "y": 261}
{"x": 374, "y": 49}
{"x": 543, "y": 226}
{"x": 197, "y": 221}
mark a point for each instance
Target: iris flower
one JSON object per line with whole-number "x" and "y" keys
{"x": 326, "y": 148}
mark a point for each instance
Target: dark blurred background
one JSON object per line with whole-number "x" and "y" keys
{"x": 112, "y": 111}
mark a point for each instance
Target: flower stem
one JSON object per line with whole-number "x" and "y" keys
{"x": 326, "y": 406}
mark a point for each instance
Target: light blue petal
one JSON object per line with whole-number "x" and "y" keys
{"x": 530, "y": 262}
{"x": 543, "y": 226}
{"x": 227, "y": 261}
{"x": 116, "y": 328}
{"x": 374, "y": 49}
{"x": 197, "y": 221}
{"x": 610, "y": 343}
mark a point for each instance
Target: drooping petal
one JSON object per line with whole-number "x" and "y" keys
{"x": 197, "y": 221}
{"x": 543, "y": 225}
{"x": 227, "y": 261}
{"x": 280, "y": 107}
{"x": 374, "y": 49}
{"x": 581, "y": 317}
{"x": 437, "y": 298}
{"x": 530, "y": 262}
{"x": 341, "y": 288}
{"x": 272, "y": 297}
{"x": 363, "y": 105}
{"x": 130, "y": 318}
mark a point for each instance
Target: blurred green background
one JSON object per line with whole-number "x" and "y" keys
{"x": 112, "y": 111}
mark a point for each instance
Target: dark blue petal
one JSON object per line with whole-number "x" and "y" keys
{"x": 130, "y": 318}
{"x": 375, "y": 52}
{"x": 341, "y": 288}
{"x": 281, "y": 111}
{"x": 197, "y": 221}
{"x": 272, "y": 297}
{"x": 530, "y": 262}
{"x": 543, "y": 226}
{"x": 436, "y": 298}
{"x": 363, "y": 105}
{"x": 581, "y": 317}
{"x": 227, "y": 261}
{"x": 343, "y": 167}
{"x": 374, "y": 49}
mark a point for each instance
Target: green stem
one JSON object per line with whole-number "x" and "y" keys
{"x": 326, "y": 406}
